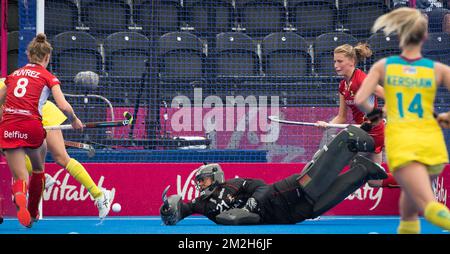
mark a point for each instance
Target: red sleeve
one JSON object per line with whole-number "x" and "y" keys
{"x": 359, "y": 78}
{"x": 51, "y": 80}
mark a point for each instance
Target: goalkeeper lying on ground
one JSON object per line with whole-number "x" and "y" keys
{"x": 317, "y": 189}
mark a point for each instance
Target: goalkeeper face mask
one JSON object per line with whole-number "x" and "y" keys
{"x": 203, "y": 182}
{"x": 208, "y": 177}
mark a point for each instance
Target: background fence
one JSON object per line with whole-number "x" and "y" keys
{"x": 195, "y": 70}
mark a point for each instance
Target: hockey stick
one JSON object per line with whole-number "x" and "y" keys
{"x": 127, "y": 121}
{"x": 330, "y": 125}
{"x": 89, "y": 148}
{"x": 164, "y": 197}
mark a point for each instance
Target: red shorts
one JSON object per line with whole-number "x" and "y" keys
{"x": 24, "y": 133}
{"x": 377, "y": 133}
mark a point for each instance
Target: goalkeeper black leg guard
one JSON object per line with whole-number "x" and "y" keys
{"x": 329, "y": 161}
{"x": 361, "y": 170}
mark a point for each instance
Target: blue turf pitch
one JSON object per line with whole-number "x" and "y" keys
{"x": 201, "y": 225}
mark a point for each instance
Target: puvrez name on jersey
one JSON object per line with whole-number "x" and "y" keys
{"x": 27, "y": 73}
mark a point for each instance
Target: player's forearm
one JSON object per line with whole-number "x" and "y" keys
{"x": 365, "y": 106}
{"x": 62, "y": 103}
{"x": 361, "y": 100}
{"x": 338, "y": 120}
{"x": 67, "y": 109}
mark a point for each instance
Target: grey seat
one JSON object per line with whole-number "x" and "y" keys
{"x": 313, "y": 17}
{"x": 359, "y": 16}
{"x": 437, "y": 47}
{"x": 285, "y": 54}
{"x": 324, "y": 46}
{"x": 235, "y": 55}
{"x": 60, "y": 16}
{"x": 382, "y": 46}
{"x": 73, "y": 52}
{"x": 104, "y": 17}
{"x": 181, "y": 57}
{"x": 160, "y": 18}
{"x": 126, "y": 55}
{"x": 261, "y": 17}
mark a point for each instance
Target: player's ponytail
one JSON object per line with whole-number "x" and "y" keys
{"x": 408, "y": 23}
{"x": 41, "y": 38}
{"x": 39, "y": 48}
{"x": 362, "y": 51}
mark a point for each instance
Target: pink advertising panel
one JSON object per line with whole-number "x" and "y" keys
{"x": 242, "y": 128}
{"x": 138, "y": 188}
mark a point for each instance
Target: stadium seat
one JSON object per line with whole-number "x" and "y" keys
{"x": 13, "y": 51}
{"x": 181, "y": 57}
{"x": 359, "y": 16}
{"x": 163, "y": 17}
{"x": 73, "y": 52}
{"x": 224, "y": 16}
{"x": 382, "y": 46}
{"x": 324, "y": 46}
{"x": 104, "y": 17}
{"x": 437, "y": 47}
{"x": 285, "y": 54}
{"x": 235, "y": 55}
{"x": 313, "y": 17}
{"x": 261, "y": 17}
{"x": 436, "y": 20}
{"x": 126, "y": 54}
{"x": 209, "y": 17}
{"x": 196, "y": 14}
{"x": 60, "y": 16}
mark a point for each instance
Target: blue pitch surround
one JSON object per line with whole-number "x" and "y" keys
{"x": 201, "y": 225}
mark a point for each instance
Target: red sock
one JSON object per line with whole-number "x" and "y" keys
{"x": 37, "y": 184}
{"x": 390, "y": 182}
{"x": 19, "y": 189}
{"x": 19, "y": 186}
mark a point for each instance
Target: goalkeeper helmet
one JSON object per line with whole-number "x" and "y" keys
{"x": 213, "y": 171}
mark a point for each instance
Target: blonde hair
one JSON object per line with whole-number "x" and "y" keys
{"x": 408, "y": 23}
{"x": 39, "y": 48}
{"x": 358, "y": 53}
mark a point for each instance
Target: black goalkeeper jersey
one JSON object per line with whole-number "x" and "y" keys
{"x": 278, "y": 203}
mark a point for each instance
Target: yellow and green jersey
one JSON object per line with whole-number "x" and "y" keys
{"x": 412, "y": 133}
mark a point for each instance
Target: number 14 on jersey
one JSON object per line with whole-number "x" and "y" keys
{"x": 414, "y": 106}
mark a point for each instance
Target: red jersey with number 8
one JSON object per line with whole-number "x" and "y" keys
{"x": 27, "y": 90}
